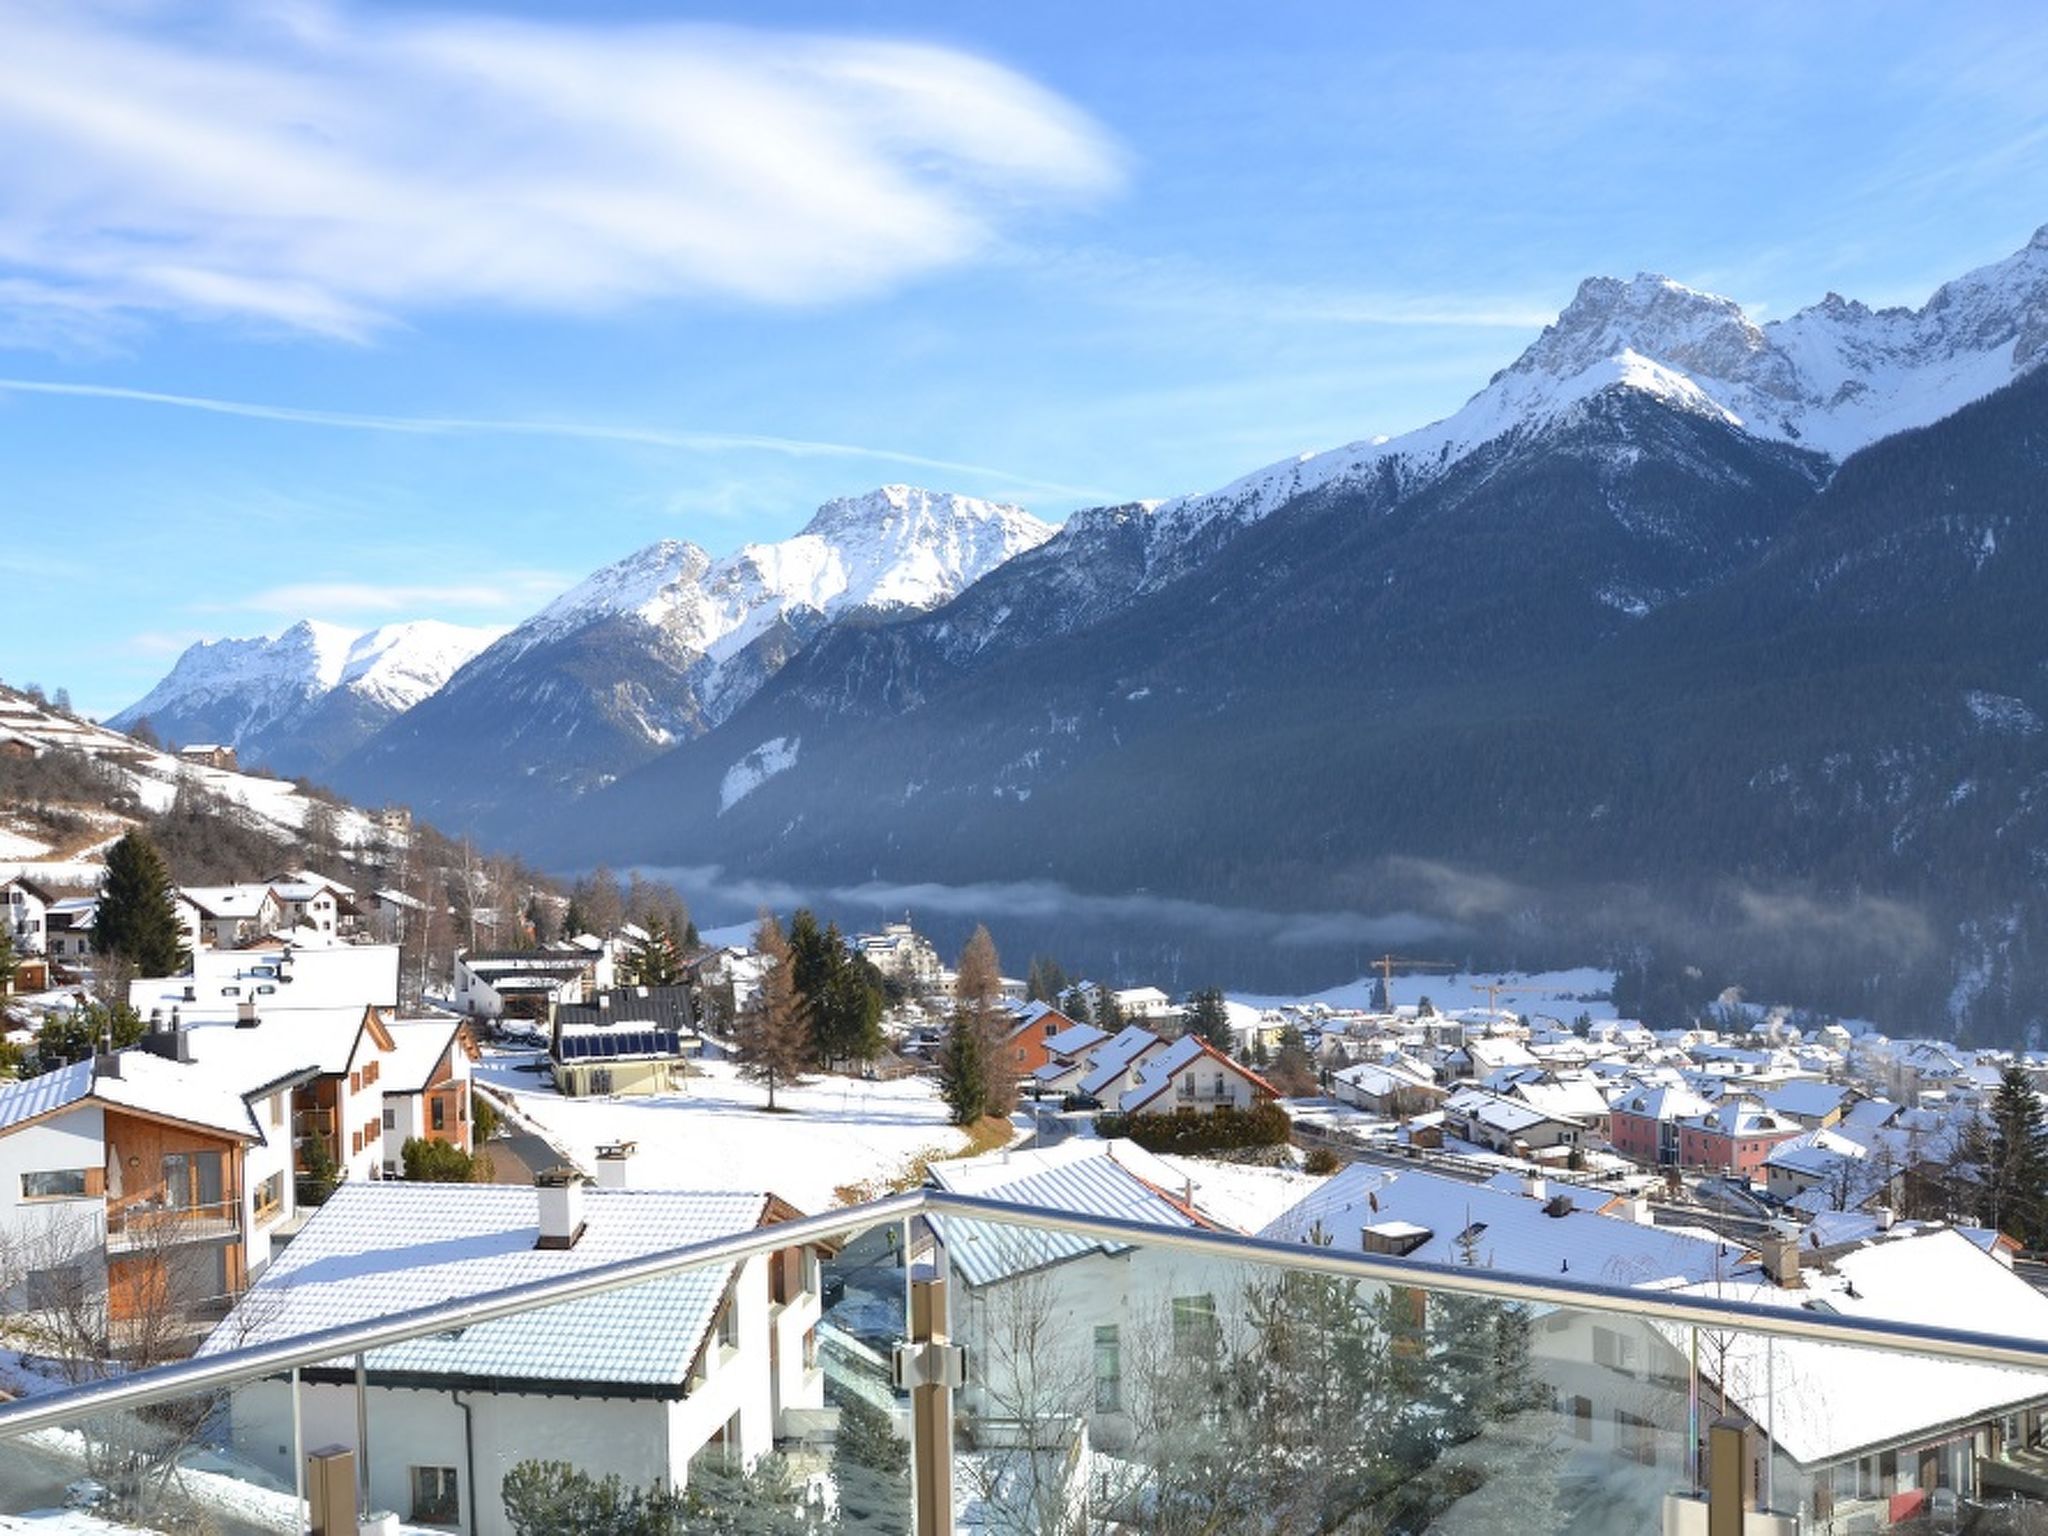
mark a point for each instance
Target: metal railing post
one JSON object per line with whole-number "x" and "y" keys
{"x": 1727, "y": 1478}
{"x": 931, "y": 1411}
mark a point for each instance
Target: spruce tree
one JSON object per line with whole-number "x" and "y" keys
{"x": 136, "y": 924}
{"x": 1210, "y": 1018}
{"x": 963, "y": 1071}
{"x": 2015, "y": 1163}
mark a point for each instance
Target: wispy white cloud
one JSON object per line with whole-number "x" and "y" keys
{"x": 423, "y": 426}
{"x": 328, "y": 170}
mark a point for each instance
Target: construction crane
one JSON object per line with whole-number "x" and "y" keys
{"x": 1386, "y": 963}
{"x": 1493, "y": 990}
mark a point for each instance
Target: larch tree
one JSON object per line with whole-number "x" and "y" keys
{"x": 773, "y": 1038}
{"x": 136, "y": 924}
{"x": 978, "y": 1015}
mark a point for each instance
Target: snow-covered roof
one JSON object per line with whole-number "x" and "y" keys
{"x": 1661, "y": 1101}
{"x": 1115, "y": 1056}
{"x": 1815, "y": 1154}
{"x": 1508, "y": 1231}
{"x": 1826, "y": 1402}
{"x": 378, "y": 1248}
{"x": 418, "y": 1046}
{"x": 1090, "y": 1178}
{"x": 1073, "y": 1041}
{"x": 1806, "y": 1097}
{"x": 1155, "y": 1071}
{"x": 147, "y": 1084}
{"x": 230, "y": 901}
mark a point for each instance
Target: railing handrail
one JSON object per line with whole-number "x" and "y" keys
{"x": 260, "y": 1360}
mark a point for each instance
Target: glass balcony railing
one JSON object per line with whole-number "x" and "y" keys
{"x": 933, "y": 1362}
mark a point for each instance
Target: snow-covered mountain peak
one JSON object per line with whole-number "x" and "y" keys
{"x": 646, "y": 583}
{"x": 1655, "y": 318}
{"x": 257, "y": 693}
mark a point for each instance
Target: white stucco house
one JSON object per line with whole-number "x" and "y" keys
{"x": 640, "y": 1382}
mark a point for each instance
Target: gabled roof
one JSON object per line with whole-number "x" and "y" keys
{"x": 666, "y": 1008}
{"x": 1826, "y": 1402}
{"x": 226, "y": 901}
{"x": 1075, "y": 1039}
{"x": 1155, "y": 1071}
{"x": 148, "y": 1085}
{"x": 1508, "y": 1230}
{"x": 1089, "y": 1178}
{"x": 1806, "y": 1097}
{"x": 1116, "y": 1055}
{"x": 1661, "y": 1101}
{"x": 417, "y": 1046}
{"x": 378, "y": 1248}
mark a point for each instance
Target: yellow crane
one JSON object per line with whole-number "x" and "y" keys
{"x": 1493, "y": 990}
{"x": 1385, "y": 966}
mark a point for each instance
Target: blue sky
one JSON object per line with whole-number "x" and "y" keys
{"x": 515, "y": 289}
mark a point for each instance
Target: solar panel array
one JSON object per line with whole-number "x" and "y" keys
{"x": 615, "y": 1042}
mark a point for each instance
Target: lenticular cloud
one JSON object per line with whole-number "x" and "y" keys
{"x": 331, "y": 171}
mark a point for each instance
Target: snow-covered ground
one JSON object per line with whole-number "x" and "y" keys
{"x": 1562, "y": 994}
{"x": 718, "y": 1135}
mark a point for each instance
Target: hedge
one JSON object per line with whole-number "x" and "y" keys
{"x": 1185, "y": 1130}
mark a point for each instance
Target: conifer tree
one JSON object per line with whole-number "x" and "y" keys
{"x": 1109, "y": 1013}
{"x": 963, "y": 1071}
{"x": 773, "y": 1041}
{"x": 135, "y": 923}
{"x": 1209, "y": 1018}
{"x": 2015, "y": 1161}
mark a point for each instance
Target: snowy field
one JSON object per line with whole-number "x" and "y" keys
{"x": 718, "y": 1134}
{"x": 1561, "y": 994}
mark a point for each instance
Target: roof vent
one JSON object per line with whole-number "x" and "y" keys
{"x": 1559, "y": 1205}
{"x": 561, "y": 1207}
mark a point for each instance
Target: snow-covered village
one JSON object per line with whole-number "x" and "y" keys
{"x": 239, "y": 1114}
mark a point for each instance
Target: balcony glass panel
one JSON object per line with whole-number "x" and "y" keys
{"x": 1114, "y": 1385}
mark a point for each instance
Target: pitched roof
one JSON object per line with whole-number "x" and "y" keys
{"x": 1116, "y": 1055}
{"x": 1155, "y": 1071}
{"x": 378, "y": 1248}
{"x": 1508, "y": 1230}
{"x": 1089, "y": 1178}
{"x": 148, "y": 1084}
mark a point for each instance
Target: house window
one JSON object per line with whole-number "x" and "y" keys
{"x": 435, "y": 1500}
{"x": 1611, "y": 1349}
{"x": 438, "y": 1109}
{"x": 1195, "y": 1334}
{"x": 1109, "y": 1370}
{"x": 729, "y": 1326}
{"x": 1582, "y": 1418}
{"x": 370, "y": 1074}
{"x": 270, "y": 1196}
{"x": 355, "y": 1143}
{"x": 54, "y": 1184}
{"x": 277, "y": 1109}
{"x": 811, "y": 1347}
{"x": 390, "y": 1119}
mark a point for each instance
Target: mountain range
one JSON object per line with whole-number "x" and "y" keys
{"x": 1685, "y": 636}
{"x": 299, "y": 701}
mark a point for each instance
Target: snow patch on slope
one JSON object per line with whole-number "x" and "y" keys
{"x": 776, "y": 755}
